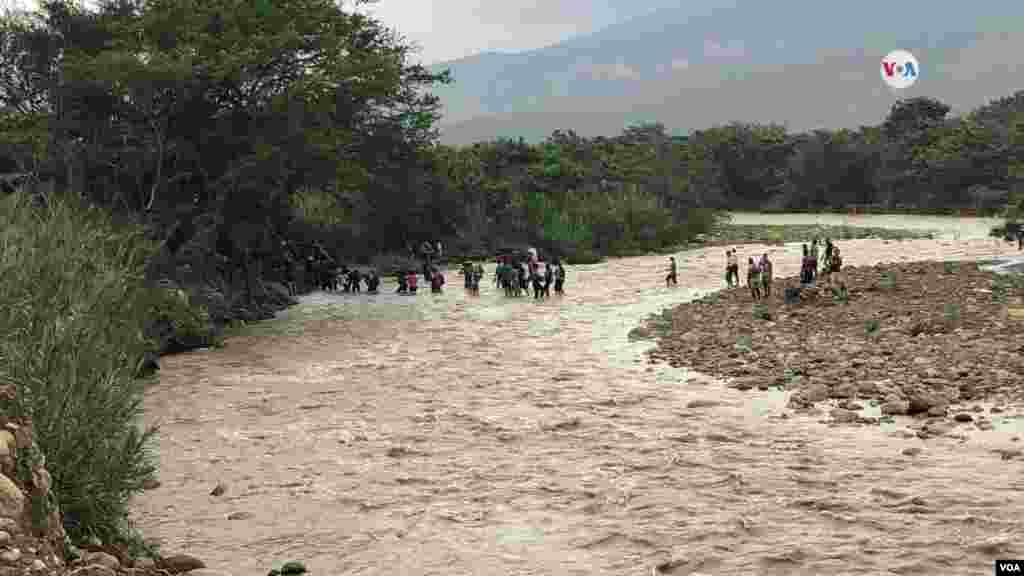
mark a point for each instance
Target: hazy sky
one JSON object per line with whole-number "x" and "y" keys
{"x": 450, "y": 29}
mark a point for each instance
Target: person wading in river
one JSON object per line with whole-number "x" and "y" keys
{"x": 478, "y": 275}
{"x": 410, "y": 280}
{"x": 672, "y": 279}
{"x": 559, "y": 278}
{"x": 436, "y": 281}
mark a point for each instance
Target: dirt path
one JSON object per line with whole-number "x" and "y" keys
{"x": 452, "y": 435}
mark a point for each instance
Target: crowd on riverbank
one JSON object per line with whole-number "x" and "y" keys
{"x": 906, "y": 337}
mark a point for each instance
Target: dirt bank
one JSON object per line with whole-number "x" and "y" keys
{"x": 916, "y": 338}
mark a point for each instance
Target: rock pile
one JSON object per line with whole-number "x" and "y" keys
{"x": 916, "y": 337}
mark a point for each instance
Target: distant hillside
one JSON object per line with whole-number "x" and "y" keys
{"x": 706, "y": 63}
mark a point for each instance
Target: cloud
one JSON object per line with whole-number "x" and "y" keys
{"x": 713, "y": 49}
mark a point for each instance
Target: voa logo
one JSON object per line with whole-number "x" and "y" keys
{"x": 900, "y": 69}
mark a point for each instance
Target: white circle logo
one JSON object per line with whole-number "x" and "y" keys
{"x": 900, "y": 69}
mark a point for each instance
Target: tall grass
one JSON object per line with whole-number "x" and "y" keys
{"x": 72, "y": 308}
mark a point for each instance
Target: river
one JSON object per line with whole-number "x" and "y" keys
{"x": 449, "y": 434}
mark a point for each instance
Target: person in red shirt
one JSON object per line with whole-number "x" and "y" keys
{"x": 436, "y": 281}
{"x": 410, "y": 279}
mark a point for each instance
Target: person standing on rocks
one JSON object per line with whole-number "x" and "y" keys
{"x": 754, "y": 279}
{"x": 436, "y": 281}
{"x": 549, "y": 277}
{"x": 672, "y": 279}
{"x": 766, "y": 275}
{"x": 732, "y": 268}
{"x": 403, "y": 285}
{"x": 828, "y": 253}
{"x": 814, "y": 260}
{"x": 805, "y": 267}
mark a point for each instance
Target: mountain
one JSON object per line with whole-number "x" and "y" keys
{"x": 812, "y": 65}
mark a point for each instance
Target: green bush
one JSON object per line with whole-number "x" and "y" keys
{"x": 187, "y": 321}
{"x": 72, "y": 309}
{"x": 872, "y": 326}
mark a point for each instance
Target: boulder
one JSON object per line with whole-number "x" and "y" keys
{"x": 12, "y": 499}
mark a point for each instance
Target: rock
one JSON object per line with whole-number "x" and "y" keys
{"x": 844, "y": 416}
{"x": 5, "y": 538}
{"x": 895, "y": 407}
{"x": 12, "y": 500}
{"x": 934, "y": 429}
{"x": 180, "y": 563}
{"x": 921, "y": 401}
{"x": 700, "y": 403}
{"x": 239, "y": 516}
{"x": 984, "y": 424}
{"x": 92, "y": 570}
{"x": 10, "y": 556}
{"x": 38, "y": 565}
{"x": 41, "y": 482}
{"x": 937, "y": 411}
{"x": 293, "y": 567}
{"x": 993, "y": 410}
{"x": 151, "y": 484}
{"x": 963, "y": 417}
{"x": 144, "y": 563}
{"x": 847, "y": 390}
{"x": 744, "y": 383}
{"x": 206, "y": 572}
{"x": 102, "y": 559}
{"x": 218, "y": 490}
{"x": 912, "y": 451}
{"x": 10, "y": 525}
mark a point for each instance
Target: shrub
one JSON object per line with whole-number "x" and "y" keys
{"x": 950, "y": 267}
{"x": 872, "y": 326}
{"x": 951, "y": 312}
{"x": 761, "y": 312}
{"x": 73, "y": 304}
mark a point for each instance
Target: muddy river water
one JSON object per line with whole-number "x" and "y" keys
{"x": 448, "y": 434}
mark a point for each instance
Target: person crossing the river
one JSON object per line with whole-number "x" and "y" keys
{"x": 411, "y": 280}
{"x": 672, "y": 278}
{"x": 478, "y": 275}
{"x": 372, "y": 282}
{"x": 549, "y": 278}
{"x": 538, "y": 285}
{"x": 436, "y": 281}
{"x": 559, "y": 278}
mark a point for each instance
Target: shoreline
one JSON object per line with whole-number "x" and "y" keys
{"x": 907, "y": 342}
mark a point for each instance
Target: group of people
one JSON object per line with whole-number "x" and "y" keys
{"x": 408, "y": 280}
{"x": 517, "y": 277}
{"x": 759, "y": 270}
{"x": 347, "y": 280}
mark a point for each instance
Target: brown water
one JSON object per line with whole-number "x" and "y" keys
{"x": 445, "y": 434}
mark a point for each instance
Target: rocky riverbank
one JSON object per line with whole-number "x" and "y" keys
{"x": 924, "y": 339}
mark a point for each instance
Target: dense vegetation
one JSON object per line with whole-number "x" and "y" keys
{"x": 211, "y": 144}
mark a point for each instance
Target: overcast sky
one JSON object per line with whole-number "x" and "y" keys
{"x": 450, "y": 29}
